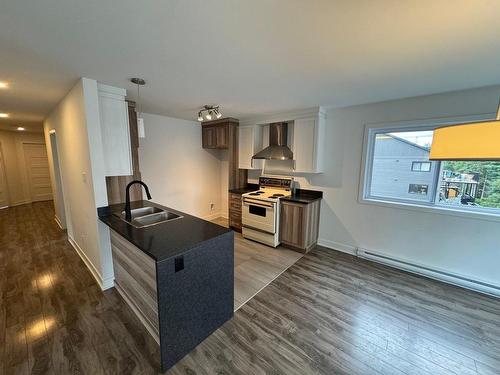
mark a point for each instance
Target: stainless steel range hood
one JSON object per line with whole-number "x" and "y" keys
{"x": 277, "y": 150}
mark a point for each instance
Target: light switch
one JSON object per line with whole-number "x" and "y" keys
{"x": 84, "y": 177}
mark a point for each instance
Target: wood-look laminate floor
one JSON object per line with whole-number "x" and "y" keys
{"x": 330, "y": 313}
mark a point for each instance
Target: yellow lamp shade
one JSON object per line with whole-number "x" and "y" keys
{"x": 473, "y": 141}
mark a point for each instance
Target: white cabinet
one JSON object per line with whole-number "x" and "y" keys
{"x": 250, "y": 142}
{"x": 308, "y": 144}
{"x": 113, "y": 116}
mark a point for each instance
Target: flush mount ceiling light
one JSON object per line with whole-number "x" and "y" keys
{"x": 140, "y": 120}
{"x": 20, "y": 128}
{"x": 4, "y": 115}
{"x": 209, "y": 112}
{"x": 4, "y": 85}
{"x": 470, "y": 141}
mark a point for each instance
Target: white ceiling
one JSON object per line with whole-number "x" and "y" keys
{"x": 249, "y": 56}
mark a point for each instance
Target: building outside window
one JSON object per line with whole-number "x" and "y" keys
{"x": 396, "y": 159}
{"x": 418, "y": 189}
{"x": 421, "y": 166}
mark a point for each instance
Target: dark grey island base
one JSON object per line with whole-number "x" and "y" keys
{"x": 177, "y": 277}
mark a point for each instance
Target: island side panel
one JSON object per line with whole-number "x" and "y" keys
{"x": 197, "y": 299}
{"x": 135, "y": 280}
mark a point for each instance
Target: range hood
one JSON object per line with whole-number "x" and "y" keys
{"x": 277, "y": 149}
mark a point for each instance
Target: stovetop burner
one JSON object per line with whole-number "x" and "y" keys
{"x": 260, "y": 192}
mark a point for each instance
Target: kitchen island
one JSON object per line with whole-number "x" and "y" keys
{"x": 177, "y": 275}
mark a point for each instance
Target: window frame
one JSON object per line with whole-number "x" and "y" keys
{"x": 433, "y": 205}
{"x": 421, "y": 163}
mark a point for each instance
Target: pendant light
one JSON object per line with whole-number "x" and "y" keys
{"x": 470, "y": 141}
{"x": 140, "y": 121}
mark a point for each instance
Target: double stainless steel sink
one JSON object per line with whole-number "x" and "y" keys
{"x": 147, "y": 216}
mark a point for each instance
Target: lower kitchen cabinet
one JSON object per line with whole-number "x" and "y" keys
{"x": 235, "y": 211}
{"x": 299, "y": 224}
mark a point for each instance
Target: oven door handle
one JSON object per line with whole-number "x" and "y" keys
{"x": 248, "y": 202}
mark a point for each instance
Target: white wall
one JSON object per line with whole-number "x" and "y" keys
{"x": 15, "y": 169}
{"x": 463, "y": 246}
{"x": 179, "y": 172}
{"x": 76, "y": 123}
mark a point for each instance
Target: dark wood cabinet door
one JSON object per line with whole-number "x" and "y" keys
{"x": 221, "y": 135}
{"x": 292, "y": 224}
{"x": 209, "y": 137}
{"x": 299, "y": 224}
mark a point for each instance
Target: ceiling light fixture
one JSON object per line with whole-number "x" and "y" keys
{"x": 4, "y": 115}
{"x": 4, "y": 85}
{"x": 208, "y": 112}
{"x": 20, "y": 128}
{"x": 140, "y": 120}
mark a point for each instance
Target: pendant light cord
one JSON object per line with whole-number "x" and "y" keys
{"x": 138, "y": 102}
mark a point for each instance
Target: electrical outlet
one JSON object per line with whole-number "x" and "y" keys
{"x": 212, "y": 206}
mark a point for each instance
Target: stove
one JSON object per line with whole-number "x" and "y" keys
{"x": 261, "y": 210}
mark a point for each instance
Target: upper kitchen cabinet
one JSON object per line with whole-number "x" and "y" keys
{"x": 113, "y": 115}
{"x": 308, "y": 143}
{"x": 306, "y": 138}
{"x": 250, "y": 142}
{"x": 215, "y": 134}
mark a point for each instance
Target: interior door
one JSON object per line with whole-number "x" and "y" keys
{"x": 4, "y": 197}
{"x": 37, "y": 170}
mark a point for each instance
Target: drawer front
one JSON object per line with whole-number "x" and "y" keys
{"x": 235, "y": 211}
{"x": 235, "y": 198}
{"x": 235, "y": 207}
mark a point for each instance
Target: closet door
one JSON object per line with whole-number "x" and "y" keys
{"x": 37, "y": 171}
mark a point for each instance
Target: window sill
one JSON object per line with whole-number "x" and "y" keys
{"x": 438, "y": 210}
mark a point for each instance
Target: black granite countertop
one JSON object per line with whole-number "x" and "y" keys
{"x": 304, "y": 196}
{"x": 161, "y": 241}
{"x": 247, "y": 189}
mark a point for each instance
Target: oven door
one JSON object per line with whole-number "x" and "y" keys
{"x": 260, "y": 215}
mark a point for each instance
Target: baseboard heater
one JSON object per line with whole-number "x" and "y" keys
{"x": 448, "y": 277}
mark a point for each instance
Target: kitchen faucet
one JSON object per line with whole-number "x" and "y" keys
{"x": 128, "y": 213}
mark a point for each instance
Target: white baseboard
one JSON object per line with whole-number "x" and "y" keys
{"x": 463, "y": 281}
{"x": 104, "y": 284}
{"x": 212, "y": 216}
{"x": 20, "y": 203}
{"x": 337, "y": 246}
{"x": 58, "y": 222}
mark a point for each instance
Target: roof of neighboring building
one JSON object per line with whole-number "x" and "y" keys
{"x": 409, "y": 142}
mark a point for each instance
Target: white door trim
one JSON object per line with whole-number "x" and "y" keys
{"x": 4, "y": 177}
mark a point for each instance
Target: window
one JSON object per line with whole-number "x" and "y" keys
{"x": 394, "y": 155}
{"x": 418, "y": 189}
{"x": 421, "y": 166}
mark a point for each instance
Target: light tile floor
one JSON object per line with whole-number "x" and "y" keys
{"x": 256, "y": 265}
